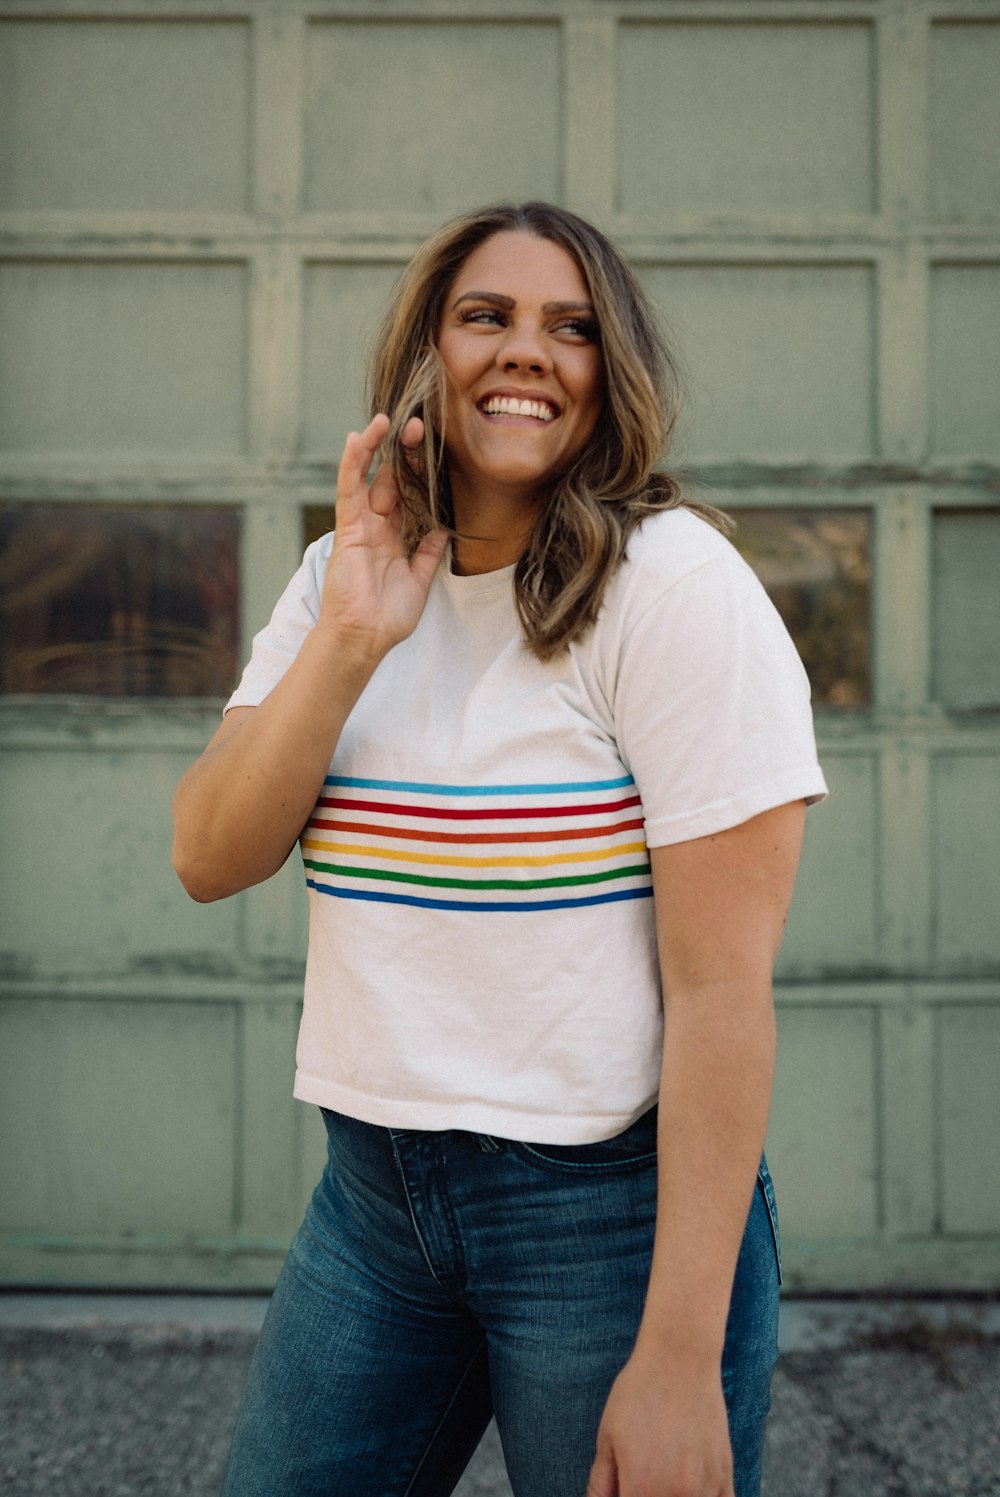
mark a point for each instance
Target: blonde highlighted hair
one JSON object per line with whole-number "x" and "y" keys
{"x": 581, "y": 533}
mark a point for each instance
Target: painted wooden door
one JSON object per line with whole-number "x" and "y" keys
{"x": 200, "y": 214}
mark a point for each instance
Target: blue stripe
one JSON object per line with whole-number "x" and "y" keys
{"x": 466, "y": 904}
{"x": 567, "y": 787}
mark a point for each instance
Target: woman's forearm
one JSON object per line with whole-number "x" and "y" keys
{"x": 717, "y": 1072}
{"x": 664, "y": 1427}
{"x": 721, "y": 906}
{"x": 240, "y": 808}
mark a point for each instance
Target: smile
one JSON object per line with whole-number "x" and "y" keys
{"x": 507, "y": 405}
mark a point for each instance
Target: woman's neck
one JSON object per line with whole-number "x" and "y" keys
{"x": 472, "y": 555}
{"x": 492, "y": 532}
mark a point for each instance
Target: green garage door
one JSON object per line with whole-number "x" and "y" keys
{"x": 199, "y": 217}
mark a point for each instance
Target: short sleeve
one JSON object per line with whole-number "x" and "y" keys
{"x": 279, "y": 642}
{"x": 711, "y": 706}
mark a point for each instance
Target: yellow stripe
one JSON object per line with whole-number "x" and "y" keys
{"x": 313, "y": 845}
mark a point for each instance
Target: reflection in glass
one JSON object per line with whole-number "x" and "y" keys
{"x": 317, "y": 519}
{"x": 118, "y": 600}
{"x": 816, "y": 566}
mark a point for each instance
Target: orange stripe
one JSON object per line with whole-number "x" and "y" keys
{"x": 377, "y": 830}
{"x": 397, "y": 855}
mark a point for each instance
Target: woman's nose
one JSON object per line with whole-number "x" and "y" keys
{"x": 524, "y": 348}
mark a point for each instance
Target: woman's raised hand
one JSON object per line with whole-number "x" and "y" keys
{"x": 374, "y": 595}
{"x": 241, "y": 806}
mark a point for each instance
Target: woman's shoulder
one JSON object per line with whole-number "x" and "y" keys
{"x": 671, "y": 544}
{"x": 307, "y": 580}
{"x": 680, "y": 566}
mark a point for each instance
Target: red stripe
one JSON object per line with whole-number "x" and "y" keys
{"x": 394, "y": 808}
{"x": 379, "y": 830}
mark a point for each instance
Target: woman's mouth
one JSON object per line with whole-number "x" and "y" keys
{"x": 510, "y": 405}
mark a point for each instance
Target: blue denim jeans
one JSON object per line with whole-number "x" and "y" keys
{"x": 439, "y": 1278}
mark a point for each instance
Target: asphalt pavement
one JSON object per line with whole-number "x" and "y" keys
{"x": 135, "y": 1395}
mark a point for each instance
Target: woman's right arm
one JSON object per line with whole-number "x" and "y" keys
{"x": 240, "y": 808}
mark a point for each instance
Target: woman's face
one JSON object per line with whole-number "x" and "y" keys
{"x": 524, "y": 368}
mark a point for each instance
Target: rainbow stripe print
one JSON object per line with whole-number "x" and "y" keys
{"x": 478, "y": 847}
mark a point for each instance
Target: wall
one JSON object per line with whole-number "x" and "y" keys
{"x": 200, "y": 210}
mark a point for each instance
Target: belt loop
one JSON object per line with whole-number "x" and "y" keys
{"x": 488, "y": 1144}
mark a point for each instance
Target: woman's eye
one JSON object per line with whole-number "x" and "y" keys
{"x": 580, "y": 327}
{"x": 583, "y": 328}
{"x": 485, "y": 315}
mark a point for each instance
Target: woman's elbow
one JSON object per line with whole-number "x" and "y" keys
{"x": 208, "y": 876}
{"x": 202, "y": 876}
{"x": 196, "y": 876}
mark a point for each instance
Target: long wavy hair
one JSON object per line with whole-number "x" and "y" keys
{"x": 580, "y": 535}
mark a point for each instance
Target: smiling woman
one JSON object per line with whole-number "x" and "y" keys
{"x": 594, "y": 321}
{"x": 546, "y": 746}
{"x": 524, "y": 389}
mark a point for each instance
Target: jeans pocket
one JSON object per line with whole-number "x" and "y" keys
{"x": 767, "y": 1190}
{"x": 633, "y": 1149}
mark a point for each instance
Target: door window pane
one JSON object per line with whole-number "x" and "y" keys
{"x": 118, "y": 600}
{"x": 966, "y": 611}
{"x": 317, "y": 519}
{"x": 816, "y": 566}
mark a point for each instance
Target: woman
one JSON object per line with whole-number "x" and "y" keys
{"x": 520, "y": 646}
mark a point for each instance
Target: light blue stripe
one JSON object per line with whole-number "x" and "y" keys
{"x": 566, "y": 787}
{"x": 469, "y": 905}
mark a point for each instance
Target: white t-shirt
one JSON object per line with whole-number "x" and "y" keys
{"x": 481, "y": 948}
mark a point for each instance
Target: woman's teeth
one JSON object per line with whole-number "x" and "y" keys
{"x": 506, "y": 405}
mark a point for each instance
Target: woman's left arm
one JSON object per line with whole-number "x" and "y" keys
{"x": 721, "y": 904}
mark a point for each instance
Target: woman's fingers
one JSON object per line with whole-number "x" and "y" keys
{"x": 371, "y": 586}
{"x": 427, "y": 556}
{"x": 381, "y": 497}
{"x": 384, "y": 494}
{"x": 412, "y": 437}
{"x": 413, "y": 432}
{"x": 350, "y": 478}
{"x": 375, "y": 432}
{"x": 357, "y": 457}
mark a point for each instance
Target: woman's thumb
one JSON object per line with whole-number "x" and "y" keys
{"x": 603, "y": 1481}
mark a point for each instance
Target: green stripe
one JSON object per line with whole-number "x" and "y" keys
{"x": 477, "y": 883}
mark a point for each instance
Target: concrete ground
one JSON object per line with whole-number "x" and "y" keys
{"x": 134, "y": 1396}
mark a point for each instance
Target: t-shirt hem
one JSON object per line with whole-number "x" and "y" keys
{"x": 253, "y": 698}
{"x": 797, "y": 784}
{"x": 473, "y": 1116}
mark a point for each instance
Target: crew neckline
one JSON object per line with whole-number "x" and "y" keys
{"x": 470, "y": 584}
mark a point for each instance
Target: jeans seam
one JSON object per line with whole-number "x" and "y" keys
{"x": 446, "y": 1288}
{"x": 763, "y": 1180}
{"x": 604, "y": 1167}
{"x": 444, "y": 1415}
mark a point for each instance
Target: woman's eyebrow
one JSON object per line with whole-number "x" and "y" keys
{"x": 507, "y": 302}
